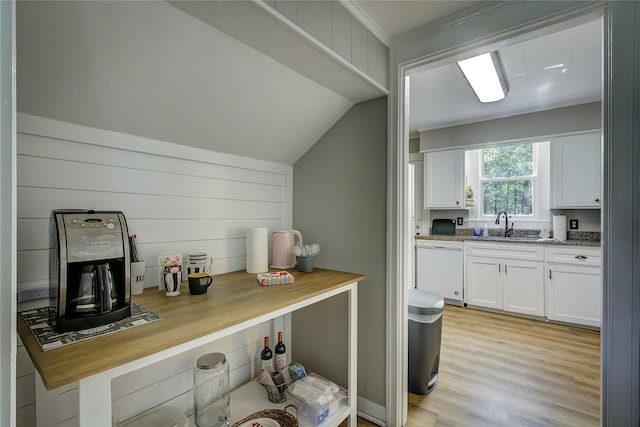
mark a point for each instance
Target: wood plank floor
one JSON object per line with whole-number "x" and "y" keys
{"x": 499, "y": 370}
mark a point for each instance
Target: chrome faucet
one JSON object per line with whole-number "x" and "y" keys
{"x": 507, "y": 230}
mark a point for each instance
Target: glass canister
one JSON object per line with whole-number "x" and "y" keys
{"x": 211, "y": 394}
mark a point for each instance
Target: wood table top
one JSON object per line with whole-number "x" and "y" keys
{"x": 232, "y": 299}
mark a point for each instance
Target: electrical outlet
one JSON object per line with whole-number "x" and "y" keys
{"x": 33, "y": 294}
{"x": 573, "y": 224}
{"x": 460, "y": 220}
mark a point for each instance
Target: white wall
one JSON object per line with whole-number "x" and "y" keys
{"x": 176, "y": 199}
{"x": 577, "y": 118}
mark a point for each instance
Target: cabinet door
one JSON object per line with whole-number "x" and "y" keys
{"x": 576, "y": 172}
{"x": 574, "y": 294}
{"x": 524, "y": 287}
{"x": 483, "y": 280}
{"x": 444, "y": 179}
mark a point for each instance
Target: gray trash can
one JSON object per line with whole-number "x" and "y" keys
{"x": 425, "y": 334}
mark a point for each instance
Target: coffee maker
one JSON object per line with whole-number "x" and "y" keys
{"x": 89, "y": 277}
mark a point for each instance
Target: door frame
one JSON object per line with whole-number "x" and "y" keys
{"x": 620, "y": 380}
{"x": 8, "y": 251}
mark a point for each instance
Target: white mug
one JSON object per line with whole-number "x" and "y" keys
{"x": 172, "y": 282}
{"x": 201, "y": 259}
{"x": 137, "y": 277}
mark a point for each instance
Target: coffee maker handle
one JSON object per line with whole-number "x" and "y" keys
{"x": 296, "y": 234}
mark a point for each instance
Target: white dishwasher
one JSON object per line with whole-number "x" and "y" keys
{"x": 440, "y": 268}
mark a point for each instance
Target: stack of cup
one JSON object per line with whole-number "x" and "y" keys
{"x": 200, "y": 262}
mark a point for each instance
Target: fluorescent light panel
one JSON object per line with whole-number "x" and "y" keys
{"x": 485, "y": 76}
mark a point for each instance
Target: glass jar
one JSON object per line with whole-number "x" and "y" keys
{"x": 211, "y": 391}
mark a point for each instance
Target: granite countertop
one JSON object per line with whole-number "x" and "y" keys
{"x": 574, "y": 238}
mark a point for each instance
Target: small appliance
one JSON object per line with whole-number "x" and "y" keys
{"x": 89, "y": 271}
{"x": 282, "y": 255}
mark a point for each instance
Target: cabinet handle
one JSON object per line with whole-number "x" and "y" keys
{"x": 549, "y": 274}
{"x": 499, "y": 268}
{"x": 597, "y": 200}
{"x": 581, "y": 257}
{"x": 457, "y": 202}
{"x": 505, "y": 269}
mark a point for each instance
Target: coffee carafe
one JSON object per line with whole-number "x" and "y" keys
{"x": 96, "y": 291}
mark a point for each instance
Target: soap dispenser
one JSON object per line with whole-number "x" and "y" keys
{"x": 486, "y": 230}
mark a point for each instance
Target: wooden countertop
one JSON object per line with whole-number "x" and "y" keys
{"x": 232, "y": 299}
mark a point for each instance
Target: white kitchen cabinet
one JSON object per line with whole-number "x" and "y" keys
{"x": 523, "y": 287}
{"x": 505, "y": 277}
{"x": 483, "y": 282}
{"x": 576, "y": 172}
{"x": 444, "y": 179}
{"x": 573, "y": 282}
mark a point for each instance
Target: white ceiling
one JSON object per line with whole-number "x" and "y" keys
{"x": 149, "y": 69}
{"x": 392, "y": 18}
{"x": 440, "y": 96}
{"x": 548, "y": 71}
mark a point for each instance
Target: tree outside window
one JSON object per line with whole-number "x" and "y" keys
{"x": 508, "y": 178}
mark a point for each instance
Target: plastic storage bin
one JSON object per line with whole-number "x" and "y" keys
{"x": 316, "y": 398}
{"x": 425, "y": 335}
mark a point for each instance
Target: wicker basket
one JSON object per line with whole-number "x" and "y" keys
{"x": 282, "y": 416}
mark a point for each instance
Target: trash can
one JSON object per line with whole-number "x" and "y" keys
{"x": 425, "y": 334}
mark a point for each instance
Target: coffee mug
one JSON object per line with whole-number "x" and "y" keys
{"x": 196, "y": 268}
{"x": 202, "y": 259}
{"x": 172, "y": 282}
{"x": 199, "y": 283}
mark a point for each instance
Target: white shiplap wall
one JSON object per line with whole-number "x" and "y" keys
{"x": 176, "y": 199}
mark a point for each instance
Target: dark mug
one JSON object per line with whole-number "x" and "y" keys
{"x": 199, "y": 283}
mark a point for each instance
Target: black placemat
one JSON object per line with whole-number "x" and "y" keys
{"x": 48, "y": 339}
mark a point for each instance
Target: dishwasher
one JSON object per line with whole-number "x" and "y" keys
{"x": 439, "y": 266}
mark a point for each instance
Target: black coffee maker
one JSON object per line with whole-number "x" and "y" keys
{"x": 89, "y": 277}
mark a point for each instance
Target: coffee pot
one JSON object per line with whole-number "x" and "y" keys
{"x": 282, "y": 255}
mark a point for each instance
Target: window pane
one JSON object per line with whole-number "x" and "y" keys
{"x": 514, "y": 197}
{"x": 508, "y": 161}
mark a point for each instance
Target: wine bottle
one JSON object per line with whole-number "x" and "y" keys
{"x": 267, "y": 356}
{"x": 281, "y": 353}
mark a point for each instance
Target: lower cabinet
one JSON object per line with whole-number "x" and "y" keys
{"x": 510, "y": 279}
{"x": 573, "y": 283}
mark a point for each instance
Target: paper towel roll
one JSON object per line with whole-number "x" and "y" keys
{"x": 560, "y": 227}
{"x": 257, "y": 250}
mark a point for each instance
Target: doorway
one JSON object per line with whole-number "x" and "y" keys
{"x": 405, "y": 70}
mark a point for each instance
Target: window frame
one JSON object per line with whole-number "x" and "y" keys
{"x": 533, "y": 178}
{"x": 537, "y": 202}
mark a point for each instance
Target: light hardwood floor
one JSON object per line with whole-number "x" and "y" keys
{"x": 499, "y": 370}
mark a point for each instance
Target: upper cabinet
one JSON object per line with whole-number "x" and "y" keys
{"x": 576, "y": 172}
{"x": 444, "y": 179}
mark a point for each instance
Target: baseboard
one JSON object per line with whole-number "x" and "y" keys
{"x": 372, "y": 412}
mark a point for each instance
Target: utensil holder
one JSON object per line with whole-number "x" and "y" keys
{"x": 305, "y": 263}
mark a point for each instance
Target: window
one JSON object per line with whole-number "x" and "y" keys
{"x": 511, "y": 177}
{"x": 508, "y": 179}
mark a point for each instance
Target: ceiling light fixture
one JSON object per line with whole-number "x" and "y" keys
{"x": 485, "y": 76}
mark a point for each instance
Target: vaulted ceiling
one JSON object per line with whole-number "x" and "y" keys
{"x": 167, "y": 71}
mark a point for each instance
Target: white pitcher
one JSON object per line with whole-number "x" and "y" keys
{"x": 282, "y": 255}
